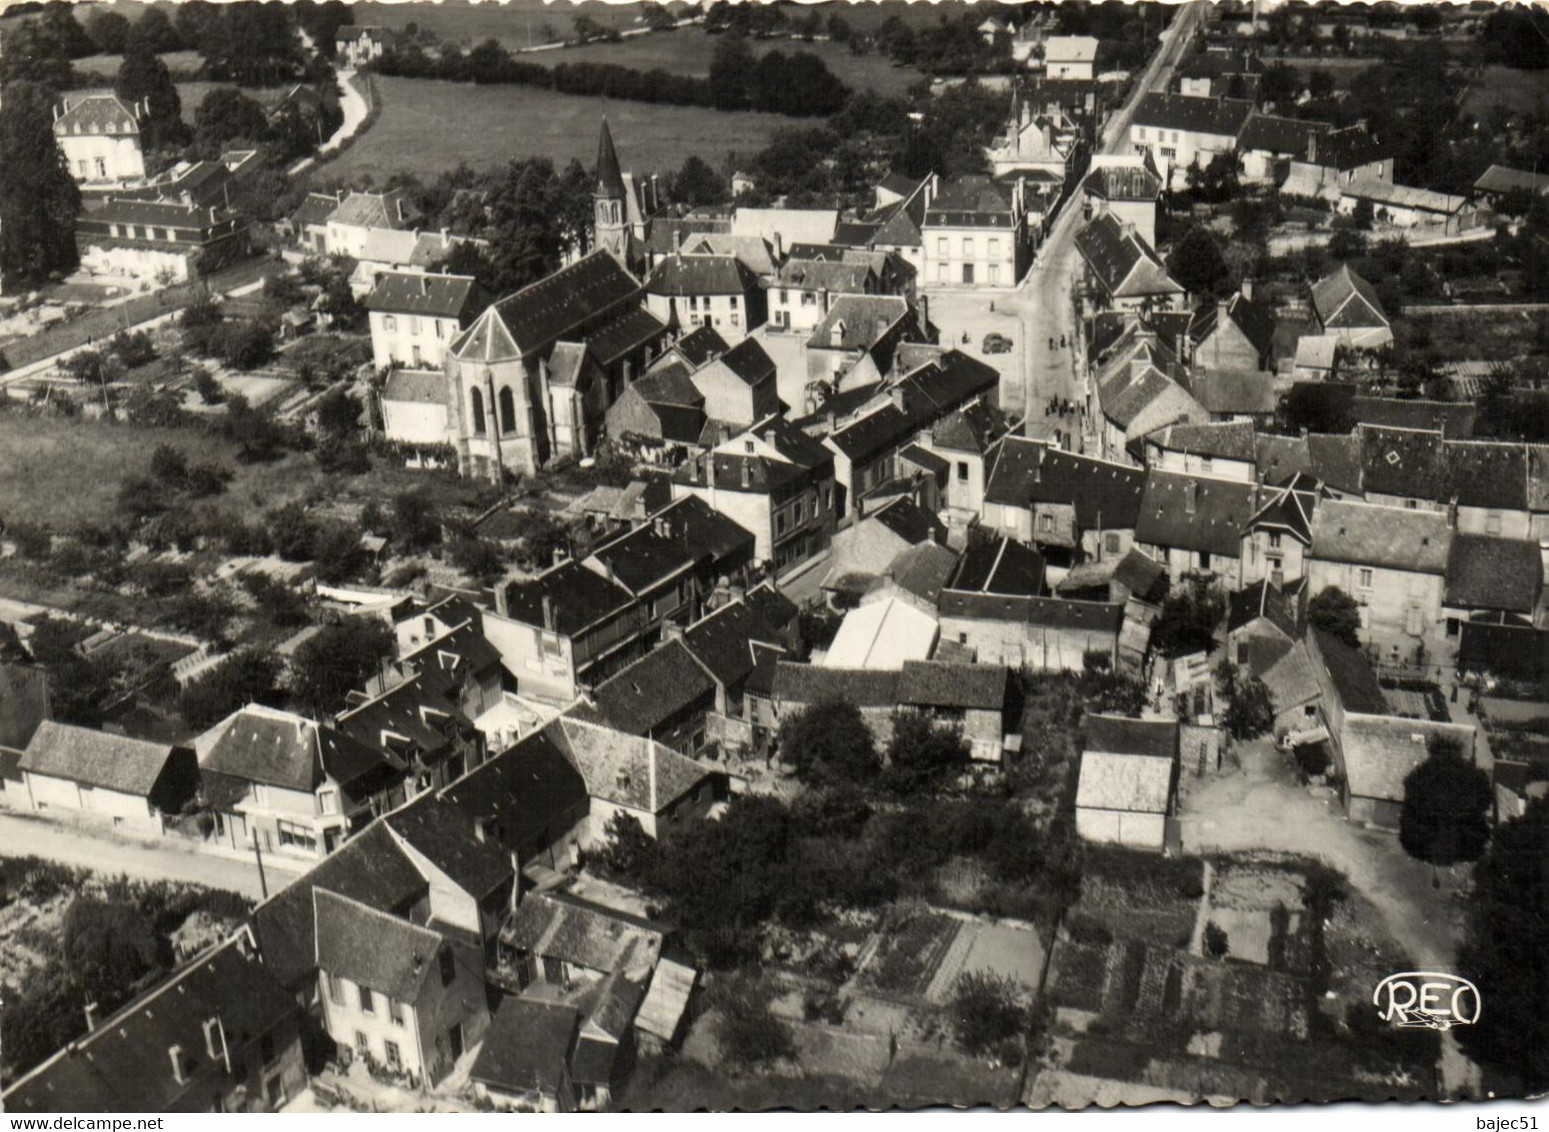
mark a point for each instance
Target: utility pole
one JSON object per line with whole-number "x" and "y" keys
{"x": 263, "y": 884}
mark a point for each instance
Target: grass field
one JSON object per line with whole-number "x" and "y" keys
{"x": 178, "y": 62}
{"x": 687, "y": 51}
{"x": 426, "y": 126}
{"x": 1525, "y": 92}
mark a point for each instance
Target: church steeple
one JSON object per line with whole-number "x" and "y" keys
{"x": 609, "y": 216}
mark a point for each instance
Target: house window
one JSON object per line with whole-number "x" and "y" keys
{"x": 476, "y": 407}
{"x": 941, "y": 248}
{"x": 828, "y": 498}
{"x": 335, "y": 989}
{"x": 297, "y": 836}
{"x": 389, "y": 323}
{"x": 994, "y": 247}
{"x": 1452, "y": 626}
{"x": 328, "y": 801}
{"x": 942, "y": 274}
{"x": 394, "y": 1058}
{"x": 367, "y": 1003}
{"x": 448, "y": 966}
{"x": 785, "y": 296}
{"x": 780, "y": 524}
{"x": 1274, "y": 540}
{"x": 1110, "y": 543}
{"x": 507, "y": 411}
{"x": 732, "y": 301}
{"x": 1204, "y": 560}
{"x": 736, "y": 319}
{"x": 808, "y": 299}
{"x": 994, "y": 273}
{"x": 102, "y": 167}
{"x": 800, "y": 512}
{"x": 693, "y": 302}
{"x": 1492, "y": 523}
{"x": 1140, "y": 132}
{"x": 1364, "y": 579}
{"x": 1205, "y": 464}
{"x": 440, "y": 328}
{"x": 414, "y": 326}
{"x": 968, "y": 247}
{"x": 362, "y": 1043}
{"x": 1045, "y": 522}
{"x": 962, "y": 471}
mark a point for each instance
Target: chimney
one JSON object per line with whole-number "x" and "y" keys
{"x": 747, "y": 475}
{"x": 1190, "y": 497}
{"x": 924, "y": 305}
{"x": 175, "y": 1054}
{"x": 1223, "y": 307}
{"x": 1312, "y": 147}
{"x": 897, "y": 395}
{"x": 1452, "y": 513}
{"x": 672, "y": 631}
{"x": 779, "y": 247}
{"x": 1247, "y": 289}
{"x": 548, "y": 612}
{"x": 92, "y": 1012}
{"x": 424, "y": 285}
{"x": 478, "y": 830}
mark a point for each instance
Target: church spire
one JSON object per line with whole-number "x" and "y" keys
{"x": 610, "y": 182}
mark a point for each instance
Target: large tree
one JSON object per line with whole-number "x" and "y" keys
{"x": 227, "y": 114}
{"x": 39, "y": 199}
{"x": 1447, "y": 799}
{"x": 1504, "y": 955}
{"x": 339, "y": 658}
{"x": 143, "y": 77}
{"x": 1198, "y": 264}
{"x": 829, "y": 743}
{"x": 923, "y": 755}
{"x": 1337, "y": 614}
{"x": 154, "y": 29}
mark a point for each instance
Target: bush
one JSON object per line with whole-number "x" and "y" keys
{"x": 989, "y": 1015}
{"x": 829, "y": 743}
{"x": 243, "y": 678}
{"x": 748, "y": 1032}
{"x": 1216, "y": 945}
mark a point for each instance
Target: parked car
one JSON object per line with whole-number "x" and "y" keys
{"x": 997, "y": 344}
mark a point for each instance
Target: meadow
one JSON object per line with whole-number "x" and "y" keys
{"x": 426, "y": 126}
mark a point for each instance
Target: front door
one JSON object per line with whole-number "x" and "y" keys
{"x": 968, "y": 273}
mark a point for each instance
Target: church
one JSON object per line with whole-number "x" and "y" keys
{"x": 530, "y": 380}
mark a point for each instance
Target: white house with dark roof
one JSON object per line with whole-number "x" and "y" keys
{"x": 1123, "y": 271}
{"x": 1061, "y": 501}
{"x": 415, "y": 316}
{"x": 359, "y": 215}
{"x": 1127, "y": 789}
{"x": 1268, "y": 143}
{"x": 99, "y": 135}
{"x": 359, "y": 44}
{"x": 1393, "y": 562}
{"x": 1223, "y": 450}
{"x": 1346, "y": 306}
{"x": 1070, "y": 57}
{"x": 975, "y": 233}
{"x": 128, "y": 783}
{"x": 1183, "y": 130}
{"x": 1333, "y": 160}
{"x": 635, "y": 776}
{"x": 159, "y": 241}
{"x": 1235, "y": 334}
{"x": 1193, "y": 524}
{"x": 718, "y": 291}
{"x": 1126, "y": 186}
{"x": 857, "y": 340}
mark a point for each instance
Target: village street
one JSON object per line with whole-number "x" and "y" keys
{"x": 169, "y": 859}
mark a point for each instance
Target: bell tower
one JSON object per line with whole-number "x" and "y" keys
{"x": 610, "y": 225}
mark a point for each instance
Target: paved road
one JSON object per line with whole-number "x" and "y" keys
{"x": 32, "y": 837}
{"x": 1043, "y": 300}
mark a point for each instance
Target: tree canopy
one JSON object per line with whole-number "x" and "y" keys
{"x": 1337, "y": 614}
{"x": 1447, "y": 801}
{"x": 829, "y": 743}
{"x": 339, "y": 658}
{"x": 39, "y": 200}
{"x": 923, "y": 755}
{"x": 143, "y": 77}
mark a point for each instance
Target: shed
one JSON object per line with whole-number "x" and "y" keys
{"x": 1129, "y": 776}
{"x": 130, "y": 782}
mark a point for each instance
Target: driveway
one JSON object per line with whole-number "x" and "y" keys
{"x": 173, "y": 860}
{"x": 1262, "y": 805}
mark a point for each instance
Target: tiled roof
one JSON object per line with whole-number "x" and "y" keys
{"x": 1335, "y": 460}
{"x": 861, "y": 321}
{"x": 1195, "y": 513}
{"x": 1231, "y": 392}
{"x": 1380, "y": 751}
{"x": 1262, "y": 599}
{"x": 527, "y": 1047}
{"x": 708, "y": 536}
{"x": 549, "y": 309}
{"x": 628, "y": 330}
{"x": 392, "y": 209}
{"x": 1124, "y": 782}
{"x": 1104, "y": 494}
{"x": 670, "y": 385}
{"x": 700, "y": 345}
{"x": 23, "y": 703}
{"x": 749, "y": 361}
{"x": 1501, "y": 179}
{"x": 1267, "y": 133}
{"x": 1456, "y": 417}
{"x": 701, "y": 275}
{"x": 1255, "y": 320}
{"x": 1226, "y": 440}
{"x": 645, "y": 694}
{"x": 1280, "y": 457}
{"x": 415, "y": 293}
{"x": 372, "y": 948}
{"x": 1366, "y": 534}
{"x": 825, "y": 275}
{"x": 95, "y": 758}
{"x": 810, "y": 684}
{"x": 923, "y": 570}
{"x": 627, "y": 770}
{"x": 1494, "y": 573}
{"x": 314, "y": 209}
{"x": 935, "y": 683}
{"x": 160, "y": 213}
{"x": 910, "y": 522}
{"x": 1049, "y": 612}
{"x": 1345, "y": 149}
{"x": 1142, "y": 575}
{"x": 973, "y": 201}
{"x": 722, "y": 641}
{"x": 641, "y": 559}
{"x": 566, "y": 927}
{"x": 444, "y": 834}
{"x": 1223, "y": 117}
{"x": 1123, "y": 263}
{"x": 666, "y": 1000}
{"x": 1344, "y": 299}
{"x": 425, "y": 387}
{"x": 523, "y": 794}
{"x": 278, "y": 748}
{"x": 1123, "y": 183}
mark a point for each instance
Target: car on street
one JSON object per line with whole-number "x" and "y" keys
{"x": 997, "y": 344}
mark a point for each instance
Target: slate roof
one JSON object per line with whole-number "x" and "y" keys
{"x": 910, "y": 522}
{"x": 973, "y": 201}
{"x": 923, "y": 570}
{"x": 1494, "y": 573}
{"x": 96, "y": 114}
{"x": 527, "y": 1047}
{"x": 1278, "y": 458}
{"x": 160, "y": 213}
{"x": 749, "y": 361}
{"x": 811, "y": 684}
{"x": 1335, "y": 460}
{"x": 314, "y": 209}
{"x": 1232, "y": 392}
{"x": 1254, "y": 319}
{"x": 1223, "y": 117}
{"x": 825, "y": 275}
{"x": 706, "y": 535}
{"x": 1121, "y": 260}
{"x": 1456, "y": 417}
{"x": 1270, "y": 134}
{"x": 641, "y": 559}
{"x": 935, "y": 683}
{"x": 627, "y": 770}
{"x": 1262, "y": 599}
{"x": 1118, "y": 735}
{"x": 1142, "y": 575}
{"x": 1127, "y": 396}
{"x": 1380, "y": 751}
{"x": 1123, "y": 183}
{"x": 1291, "y": 509}
{"x": 371, "y": 948}
{"x": 645, "y": 694}
{"x": 1048, "y": 612}
{"x": 278, "y": 748}
{"x": 523, "y": 793}
{"x": 764, "y": 474}
{"x": 1351, "y": 674}
{"x": 722, "y": 641}
{"x": 700, "y": 345}
{"x": 1502, "y": 179}
{"x": 95, "y": 758}
{"x": 23, "y": 703}
{"x": 415, "y": 293}
{"x": 1214, "y": 522}
{"x": 1104, "y": 494}
{"x": 549, "y": 309}
{"x": 1000, "y": 566}
{"x": 701, "y": 275}
{"x": 1367, "y": 534}
{"x": 122, "y": 1065}
{"x": 580, "y": 598}
{"x": 1345, "y": 149}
